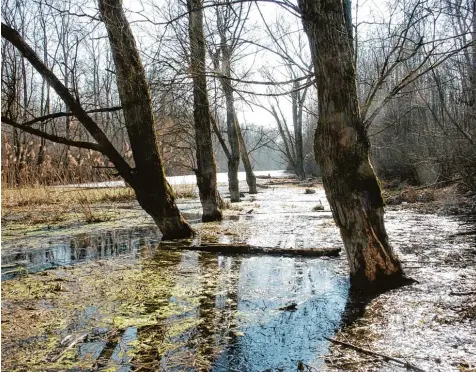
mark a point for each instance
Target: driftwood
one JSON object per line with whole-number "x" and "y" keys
{"x": 248, "y": 249}
{"x": 373, "y": 353}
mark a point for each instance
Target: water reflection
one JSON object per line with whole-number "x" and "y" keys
{"x": 235, "y": 318}
{"x": 203, "y": 311}
{"x": 79, "y": 248}
{"x": 276, "y": 339}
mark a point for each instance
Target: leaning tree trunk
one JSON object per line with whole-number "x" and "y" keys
{"x": 342, "y": 150}
{"x": 206, "y": 167}
{"x": 148, "y": 178}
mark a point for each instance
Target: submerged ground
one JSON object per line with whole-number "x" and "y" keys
{"x": 109, "y": 296}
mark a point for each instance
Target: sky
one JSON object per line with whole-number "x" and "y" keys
{"x": 246, "y": 111}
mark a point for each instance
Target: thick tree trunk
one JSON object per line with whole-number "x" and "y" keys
{"x": 206, "y": 166}
{"x": 250, "y": 175}
{"x": 342, "y": 151}
{"x": 148, "y": 178}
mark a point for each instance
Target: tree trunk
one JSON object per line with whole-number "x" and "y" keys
{"x": 473, "y": 54}
{"x": 231, "y": 124}
{"x": 250, "y": 175}
{"x": 297, "y": 124}
{"x": 342, "y": 151}
{"x": 148, "y": 178}
{"x": 206, "y": 167}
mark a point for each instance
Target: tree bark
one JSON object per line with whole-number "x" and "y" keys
{"x": 473, "y": 54}
{"x": 342, "y": 151}
{"x": 234, "y": 161}
{"x": 297, "y": 106}
{"x": 231, "y": 122}
{"x": 206, "y": 166}
{"x": 250, "y": 175}
{"x": 148, "y": 180}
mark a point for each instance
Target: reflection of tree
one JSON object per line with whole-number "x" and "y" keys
{"x": 178, "y": 332}
{"x": 217, "y": 307}
{"x": 110, "y": 243}
{"x": 152, "y": 336}
{"x": 227, "y": 302}
{"x": 354, "y": 308}
{"x": 278, "y": 338}
{"x": 353, "y": 311}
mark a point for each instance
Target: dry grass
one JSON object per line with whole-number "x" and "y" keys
{"x": 185, "y": 191}
{"x": 28, "y": 197}
{"x": 50, "y": 205}
{"x": 47, "y": 204}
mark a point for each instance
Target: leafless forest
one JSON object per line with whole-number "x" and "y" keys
{"x": 415, "y": 63}
{"x": 363, "y": 257}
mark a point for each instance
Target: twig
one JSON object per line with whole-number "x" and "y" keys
{"x": 370, "y": 352}
{"x": 462, "y": 293}
{"x": 78, "y": 339}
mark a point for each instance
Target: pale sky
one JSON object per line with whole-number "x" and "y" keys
{"x": 247, "y": 113}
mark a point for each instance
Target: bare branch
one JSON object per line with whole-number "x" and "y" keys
{"x": 51, "y": 137}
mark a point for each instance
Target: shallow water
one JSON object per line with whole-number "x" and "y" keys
{"x": 156, "y": 309}
{"x": 222, "y": 177}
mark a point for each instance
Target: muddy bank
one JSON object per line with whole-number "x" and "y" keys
{"x": 140, "y": 307}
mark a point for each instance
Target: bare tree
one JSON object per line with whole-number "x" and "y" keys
{"x": 342, "y": 150}
{"x": 147, "y": 178}
{"x": 291, "y": 49}
{"x": 229, "y": 27}
{"x": 206, "y": 167}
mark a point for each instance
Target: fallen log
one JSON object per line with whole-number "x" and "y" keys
{"x": 249, "y": 249}
{"x": 373, "y": 353}
{"x": 284, "y": 182}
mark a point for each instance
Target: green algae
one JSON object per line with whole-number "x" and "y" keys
{"x": 140, "y": 296}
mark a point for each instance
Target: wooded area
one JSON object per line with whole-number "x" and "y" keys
{"x": 401, "y": 91}
{"x": 212, "y": 185}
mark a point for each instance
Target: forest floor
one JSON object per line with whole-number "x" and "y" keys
{"x": 86, "y": 285}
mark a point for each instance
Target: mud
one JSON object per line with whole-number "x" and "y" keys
{"x": 146, "y": 308}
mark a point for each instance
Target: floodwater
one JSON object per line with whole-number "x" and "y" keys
{"x": 222, "y": 177}
{"x": 144, "y": 305}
